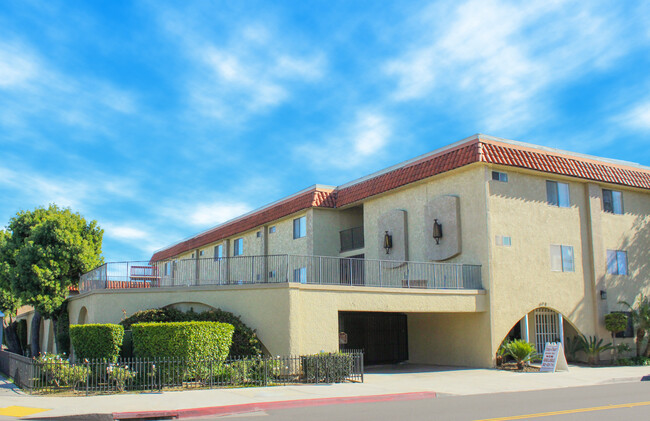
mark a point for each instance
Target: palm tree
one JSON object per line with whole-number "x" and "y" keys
{"x": 640, "y": 313}
{"x": 521, "y": 351}
{"x": 593, "y": 347}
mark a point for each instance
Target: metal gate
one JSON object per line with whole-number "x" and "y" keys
{"x": 546, "y": 328}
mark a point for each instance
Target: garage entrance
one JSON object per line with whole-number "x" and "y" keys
{"x": 382, "y": 336}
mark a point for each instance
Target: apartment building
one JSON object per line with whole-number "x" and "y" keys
{"x": 435, "y": 260}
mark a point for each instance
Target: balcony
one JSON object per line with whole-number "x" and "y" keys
{"x": 320, "y": 270}
{"x": 351, "y": 239}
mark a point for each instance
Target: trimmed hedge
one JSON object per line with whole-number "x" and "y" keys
{"x": 97, "y": 341}
{"x": 326, "y": 368}
{"x": 183, "y": 340}
{"x": 244, "y": 340}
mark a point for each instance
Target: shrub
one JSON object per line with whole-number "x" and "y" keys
{"x": 120, "y": 375}
{"x": 624, "y": 361}
{"x": 592, "y": 347}
{"x": 326, "y": 368}
{"x": 97, "y": 341}
{"x": 21, "y": 331}
{"x": 127, "y": 345}
{"x": 191, "y": 340}
{"x": 244, "y": 340}
{"x": 522, "y": 352}
{"x": 59, "y": 372}
{"x": 571, "y": 347}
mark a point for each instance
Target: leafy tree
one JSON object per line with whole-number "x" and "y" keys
{"x": 615, "y": 323}
{"x": 640, "y": 313}
{"x": 9, "y": 301}
{"x": 43, "y": 254}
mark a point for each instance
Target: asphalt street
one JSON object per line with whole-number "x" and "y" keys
{"x": 622, "y": 401}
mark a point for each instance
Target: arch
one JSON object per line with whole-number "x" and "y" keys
{"x": 186, "y": 306}
{"x": 83, "y": 316}
{"x": 568, "y": 328}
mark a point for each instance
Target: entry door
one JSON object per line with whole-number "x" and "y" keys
{"x": 546, "y": 328}
{"x": 383, "y": 337}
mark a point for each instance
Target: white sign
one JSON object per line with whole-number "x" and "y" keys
{"x": 554, "y": 359}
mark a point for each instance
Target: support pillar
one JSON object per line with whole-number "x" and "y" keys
{"x": 560, "y": 321}
{"x": 526, "y": 330}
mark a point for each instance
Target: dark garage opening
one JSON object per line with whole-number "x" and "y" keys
{"x": 382, "y": 336}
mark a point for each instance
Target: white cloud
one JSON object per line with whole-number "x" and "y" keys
{"x": 497, "y": 59}
{"x": 365, "y": 138}
{"x": 250, "y": 72}
{"x": 139, "y": 236}
{"x": 16, "y": 67}
{"x": 204, "y": 214}
{"x": 638, "y": 117}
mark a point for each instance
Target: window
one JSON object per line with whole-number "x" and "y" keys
{"x": 259, "y": 234}
{"x": 192, "y": 255}
{"x": 613, "y": 201}
{"x": 218, "y": 252}
{"x": 616, "y": 262}
{"x": 201, "y": 253}
{"x": 629, "y": 329}
{"x": 168, "y": 268}
{"x": 300, "y": 275}
{"x": 499, "y": 176}
{"x": 272, "y": 274}
{"x": 562, "y": 259}
{"x": 299, "y": 227}
{"x": 239, "y": 247}
{"x": 557, "y": 194}
{"x": 503, "y": 240}
{"x": 272, "y": 229}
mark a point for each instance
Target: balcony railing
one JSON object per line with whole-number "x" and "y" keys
{"x": 351, "y": 239}
{"x": 320, "y": 270}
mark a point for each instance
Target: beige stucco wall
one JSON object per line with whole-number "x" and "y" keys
{"x": 521, "y": 276}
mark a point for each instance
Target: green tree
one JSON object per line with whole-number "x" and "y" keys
{"x": 615, "y": 323}
{"x": 9, "y": 302}
{"x": 640, "y": 313}
{"x": 44, "y": 253}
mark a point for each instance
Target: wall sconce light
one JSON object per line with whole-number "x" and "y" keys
{"x": 437, "y": 231}
{"x": 603, "y": 294}
{"x": 388, "y": 242}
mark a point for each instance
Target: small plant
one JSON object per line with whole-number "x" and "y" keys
{"x": 58, "y": 371}
{"x": 571, "y": 347}
{"x": 615, "y": 323}
{"x": 502, "y": 351}
{"x": 523, "y": 352}
{"x": 120, "y": 375}
{"x": 593, "y": 347}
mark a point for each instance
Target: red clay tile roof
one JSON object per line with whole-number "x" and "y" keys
{"x": 310, "y": 199}
{"x": 476, "y": 149}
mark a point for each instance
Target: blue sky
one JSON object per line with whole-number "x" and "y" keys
{"x": 161, "y": 119}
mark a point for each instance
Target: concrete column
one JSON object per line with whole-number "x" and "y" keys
{"x": 597, "y": 254}
{"x": 526, "y": 330}
{"x": 560, "y": 321}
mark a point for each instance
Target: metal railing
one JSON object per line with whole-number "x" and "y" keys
{"x": 320, "y": 270}
{"x": 351, "y": 239}
{"x": 53, "y": 374}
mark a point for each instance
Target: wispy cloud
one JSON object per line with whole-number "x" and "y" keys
{"x": 495, "y": 58}
{"x": 139, "y": 236}
{"x": 248, "y": 73}
{"x": 365, "y": 137}
{"x": 203, "y": 214}
{"x": 637, "y": 118}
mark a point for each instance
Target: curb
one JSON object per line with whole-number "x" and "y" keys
{"x": 263, "y": 406}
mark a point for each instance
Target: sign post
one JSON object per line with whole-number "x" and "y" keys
{"x": 554, "y": 358}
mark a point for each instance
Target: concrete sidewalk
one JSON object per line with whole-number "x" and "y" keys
{"x": 378, "y": 381}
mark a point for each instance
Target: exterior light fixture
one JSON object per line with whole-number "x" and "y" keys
{"x": 388, "y": 242}
{"x": 603, "y": 294}
{"x": 437, "y": 231}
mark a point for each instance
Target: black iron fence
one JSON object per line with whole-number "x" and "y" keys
{"x": 51, "y": 373}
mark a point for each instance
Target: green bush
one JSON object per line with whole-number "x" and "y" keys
{"x": 522, "y": 351}
{"x": 127, "y": 345}
{"x": 624, "y": 361}
{"x": 97, "y": 341}
{"x": 326, "y": 368}
{"x": 21, "y": 331}
{"x": 189, "y": 340}
{"x": 244, "y": 340}
{"x": 59, "y": 372}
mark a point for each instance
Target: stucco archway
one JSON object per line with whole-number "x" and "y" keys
{"x": 83, "y": 316}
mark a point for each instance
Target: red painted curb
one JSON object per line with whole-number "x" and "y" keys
{"x": 263, "y": 406}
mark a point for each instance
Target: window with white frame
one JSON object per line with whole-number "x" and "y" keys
{"x": 168, "y": 269}
{"x": 272, "y": 274}
{"x": 557, "y": 194}
{"x": 562, "y": 258}
{"x": 300, "y": 275}
{"x": 503, "y": 240}
{"x": 218, "y": 252}
{"x": 613, "y": 201}
{"x": 617, "y": 262}
{"x": 272, "y": 229}
{"x": 201, "y": 253}
{"x": 192, "y": 256}
{"x": 238, "y": 248}
{"x": 259, "y": 234}
{"x": 300, "y": 227}
{"x": 499, "y": 176}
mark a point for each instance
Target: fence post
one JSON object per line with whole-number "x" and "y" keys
{"x": 266, "y": 371}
